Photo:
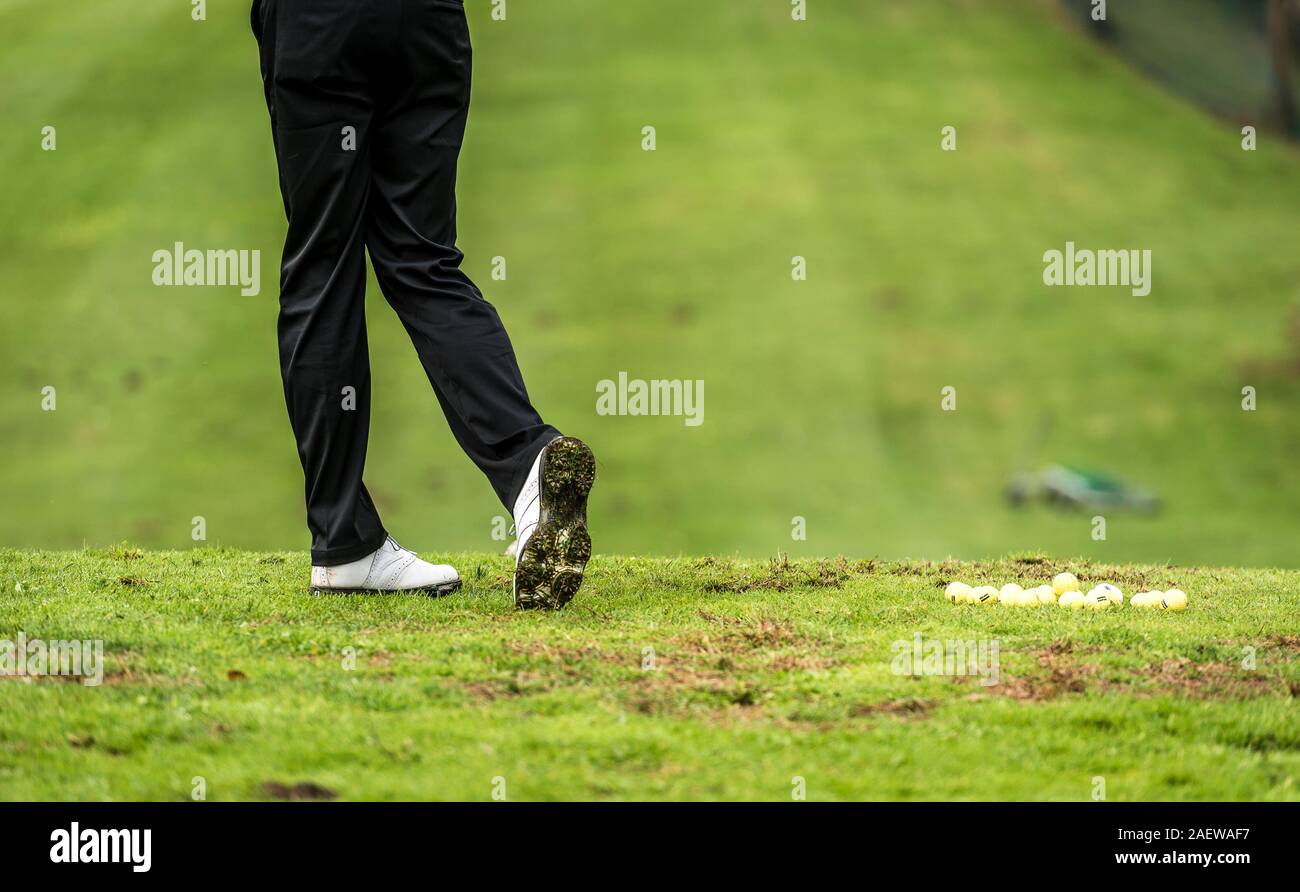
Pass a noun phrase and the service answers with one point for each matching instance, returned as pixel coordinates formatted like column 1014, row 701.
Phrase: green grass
column 775, row 138
column 220, row 666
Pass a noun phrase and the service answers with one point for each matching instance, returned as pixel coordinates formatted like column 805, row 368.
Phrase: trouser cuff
column 528, row 456
column 332, row 557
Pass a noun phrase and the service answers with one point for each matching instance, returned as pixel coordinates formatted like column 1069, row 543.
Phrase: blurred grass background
column 775, row 138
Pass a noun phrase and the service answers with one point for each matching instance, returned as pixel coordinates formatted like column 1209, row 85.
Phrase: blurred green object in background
column 1238, row 58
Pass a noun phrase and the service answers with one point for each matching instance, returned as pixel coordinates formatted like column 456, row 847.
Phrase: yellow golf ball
column 956, row 592
column 1071, row 600
column 1010, row 594
column 983, row 594
column 1174, row 599
column 1096, row 600
column 1045, row 594
column 1064, row 582
column 1112, row 593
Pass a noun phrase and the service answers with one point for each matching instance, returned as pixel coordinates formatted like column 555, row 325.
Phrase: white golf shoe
column 390, row 569
column 552, row 545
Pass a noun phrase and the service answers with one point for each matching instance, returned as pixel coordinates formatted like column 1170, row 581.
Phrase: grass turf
column 774, row 139
column 693, row 678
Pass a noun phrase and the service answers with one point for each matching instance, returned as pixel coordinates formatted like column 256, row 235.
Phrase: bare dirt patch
column 521, row 684
column 908, row 707
column 693, row 672
column 685, row 690
column 88, row 742
column 1064, row 673
column 305, row 791
column 780, row 575
column 745, row 633
column 754, row 644
column 1212, row 680
column 569, row 655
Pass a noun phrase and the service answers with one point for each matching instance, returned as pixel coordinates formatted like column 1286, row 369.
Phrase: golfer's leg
column 325, row 366
column 412, row 239
column 325, row 179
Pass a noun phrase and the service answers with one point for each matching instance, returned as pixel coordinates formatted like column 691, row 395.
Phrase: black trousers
column 368, row 102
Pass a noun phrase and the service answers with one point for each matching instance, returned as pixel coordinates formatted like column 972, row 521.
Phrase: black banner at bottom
column 333, row 841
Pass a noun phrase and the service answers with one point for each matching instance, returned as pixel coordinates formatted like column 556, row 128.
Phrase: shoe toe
column 422, row 574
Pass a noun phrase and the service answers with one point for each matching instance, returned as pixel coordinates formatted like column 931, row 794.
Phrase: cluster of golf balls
column 1063, row 592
